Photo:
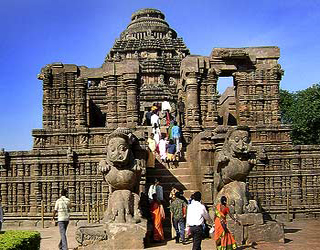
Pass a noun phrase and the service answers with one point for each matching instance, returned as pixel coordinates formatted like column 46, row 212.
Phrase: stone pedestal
column 271, row 231
column 112, row 236
column 254, row 229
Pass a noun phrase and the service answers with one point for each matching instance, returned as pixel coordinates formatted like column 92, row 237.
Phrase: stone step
column 171, row 178
column 167, row 186
column 164, row 171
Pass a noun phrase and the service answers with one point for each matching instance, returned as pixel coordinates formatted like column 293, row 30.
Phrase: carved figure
column 172, row 82
column 233, row 163
column 117, row 56
column 39, row 141
column 169, row 34
column 124, row 208
column 161, row 80
column 83, row 140
column 122, row 172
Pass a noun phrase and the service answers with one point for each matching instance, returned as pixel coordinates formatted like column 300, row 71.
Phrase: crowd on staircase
column 164, row 143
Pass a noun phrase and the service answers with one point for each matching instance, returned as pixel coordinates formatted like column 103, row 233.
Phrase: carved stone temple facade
column 148, row 64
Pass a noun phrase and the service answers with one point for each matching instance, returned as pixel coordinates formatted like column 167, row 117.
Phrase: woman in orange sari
column 222, row 236
column 157, row 213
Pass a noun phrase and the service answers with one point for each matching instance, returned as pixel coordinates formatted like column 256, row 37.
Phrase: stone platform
column 111, row 236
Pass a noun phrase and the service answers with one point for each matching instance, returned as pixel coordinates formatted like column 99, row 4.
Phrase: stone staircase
column 178, row 175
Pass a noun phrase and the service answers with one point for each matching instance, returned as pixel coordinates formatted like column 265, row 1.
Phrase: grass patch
column 20, row 240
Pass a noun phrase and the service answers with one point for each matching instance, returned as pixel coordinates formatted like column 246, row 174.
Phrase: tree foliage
column 301, row 109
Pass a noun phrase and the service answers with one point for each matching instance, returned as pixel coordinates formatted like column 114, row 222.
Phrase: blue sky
column 37, row 32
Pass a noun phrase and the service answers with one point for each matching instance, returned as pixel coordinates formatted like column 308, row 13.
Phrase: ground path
column 302, row 234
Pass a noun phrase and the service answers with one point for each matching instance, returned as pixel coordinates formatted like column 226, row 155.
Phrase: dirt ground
column 302, row 234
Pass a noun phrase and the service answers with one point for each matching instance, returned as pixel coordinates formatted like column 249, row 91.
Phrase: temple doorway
column 227, row 101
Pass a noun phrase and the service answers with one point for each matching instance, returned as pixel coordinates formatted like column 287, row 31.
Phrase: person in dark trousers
column 181, row 108
column 148, row 117
column 196, row 216
column 62, row 208
column 178, row 209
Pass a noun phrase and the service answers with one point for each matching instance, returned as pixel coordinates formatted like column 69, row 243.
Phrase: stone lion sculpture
column 231, row 167
column 122, row 172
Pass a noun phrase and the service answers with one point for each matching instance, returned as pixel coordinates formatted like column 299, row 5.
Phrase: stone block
column 112, row 236
column 271, row 231
column 90, row 234
column 237, row 231
column 250, row 219
column 126, row 236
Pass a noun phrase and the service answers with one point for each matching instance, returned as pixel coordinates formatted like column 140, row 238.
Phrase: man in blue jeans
column 178, row 213
column 62, row 207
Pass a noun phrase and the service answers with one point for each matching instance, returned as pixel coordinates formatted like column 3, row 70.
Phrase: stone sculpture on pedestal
column 122, row 172
column 232, row 165
column 123, row 225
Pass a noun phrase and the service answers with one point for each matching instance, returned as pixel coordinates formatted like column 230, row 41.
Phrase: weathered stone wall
column 291, row 178
column 29, row 177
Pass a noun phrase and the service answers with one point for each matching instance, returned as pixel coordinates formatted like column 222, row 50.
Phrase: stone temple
column 150, row 63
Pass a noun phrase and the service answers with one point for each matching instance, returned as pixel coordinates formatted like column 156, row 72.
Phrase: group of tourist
column 167, row 145
column 188, row 218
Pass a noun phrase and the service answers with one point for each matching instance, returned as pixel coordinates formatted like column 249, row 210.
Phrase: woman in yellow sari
column 222, row 236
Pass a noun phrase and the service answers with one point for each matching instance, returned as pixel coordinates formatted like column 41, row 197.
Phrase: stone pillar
column 47, row 98
column 87, row 186
column 111, row 114
column 132, row 102
column 192, row 103
column 80, row 102
column 3, row 176
column 20, row 187
column 211, row 99
column 35, row 188
column 296, row 187
column 72, row 177
column 63, row 97
column 122, row 103
column 55, row 184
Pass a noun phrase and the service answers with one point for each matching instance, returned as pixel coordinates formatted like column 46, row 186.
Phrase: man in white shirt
column 155, row 121
column 156, row 189
column 62, row 207
column 196, row 214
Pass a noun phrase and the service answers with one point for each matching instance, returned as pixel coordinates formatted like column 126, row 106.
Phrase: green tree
column 301, row 109
column 286, row 102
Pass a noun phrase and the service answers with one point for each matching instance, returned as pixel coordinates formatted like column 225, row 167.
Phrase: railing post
column 288, row 208
column 88, row 212
column 98, row 211
column 42, row 213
